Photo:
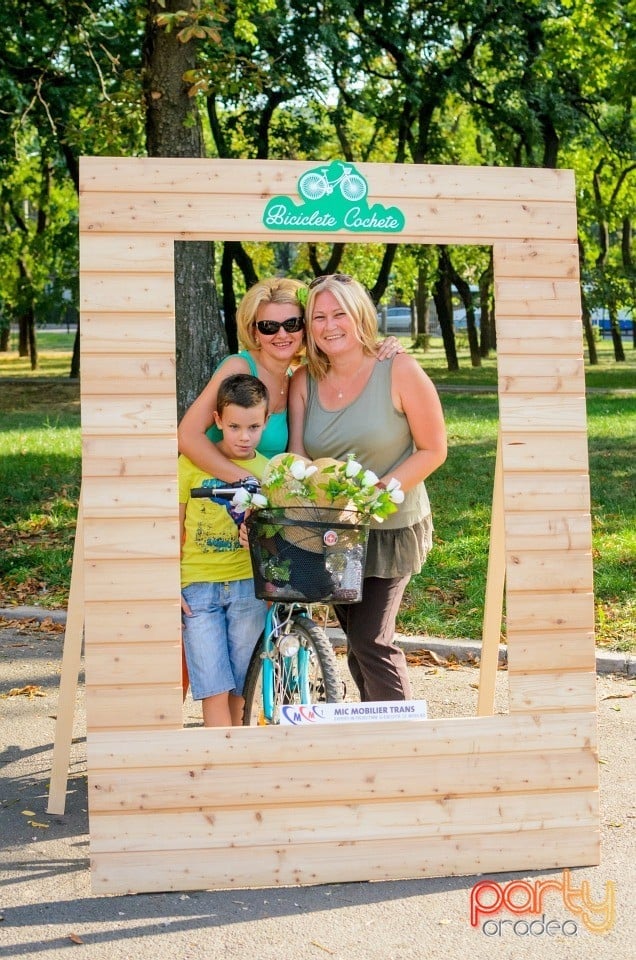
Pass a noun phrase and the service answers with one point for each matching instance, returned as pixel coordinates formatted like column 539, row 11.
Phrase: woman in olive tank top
column 343, row 401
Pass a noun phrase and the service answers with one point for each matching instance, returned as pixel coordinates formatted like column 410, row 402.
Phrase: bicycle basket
column 311, row 554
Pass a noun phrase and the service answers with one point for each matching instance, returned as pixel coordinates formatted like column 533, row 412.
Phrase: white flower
column 241, row 498
column 353, row 468
column 369, row 479
column 298, row 470
column 396, row 495
column 309, row 472
column 393, row 484
column 258, row 500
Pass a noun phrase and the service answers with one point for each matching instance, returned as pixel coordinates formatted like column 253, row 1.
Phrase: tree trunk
column 588, row 329
column 33, row 346
column 464, row 292
column 422, row 310
column 487, row 332
column 444, row 304
column 23, row 335
column 173, row 129
column 75, row 359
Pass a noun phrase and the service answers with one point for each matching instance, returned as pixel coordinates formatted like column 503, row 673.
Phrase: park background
column 529, row 84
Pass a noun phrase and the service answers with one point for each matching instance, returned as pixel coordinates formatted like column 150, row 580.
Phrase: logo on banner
column 333, row 197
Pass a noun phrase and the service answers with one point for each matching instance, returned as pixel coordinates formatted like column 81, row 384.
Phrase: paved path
column 47, row 907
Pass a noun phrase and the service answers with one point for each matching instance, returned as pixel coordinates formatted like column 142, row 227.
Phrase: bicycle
column 315, row 184
column 293, row 662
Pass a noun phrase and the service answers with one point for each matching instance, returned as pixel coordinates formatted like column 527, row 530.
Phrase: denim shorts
column 221, row 634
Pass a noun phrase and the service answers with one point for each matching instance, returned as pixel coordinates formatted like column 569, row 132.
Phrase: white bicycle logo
column 316, row 184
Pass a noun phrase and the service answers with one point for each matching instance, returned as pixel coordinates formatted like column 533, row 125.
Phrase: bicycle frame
column 278, row 622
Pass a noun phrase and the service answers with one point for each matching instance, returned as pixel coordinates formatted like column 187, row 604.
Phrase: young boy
column 222, row 619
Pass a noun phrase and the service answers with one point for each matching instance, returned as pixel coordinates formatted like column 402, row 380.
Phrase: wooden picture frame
column 175, row 809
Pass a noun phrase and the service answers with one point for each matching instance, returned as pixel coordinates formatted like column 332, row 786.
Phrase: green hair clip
column 301, row 296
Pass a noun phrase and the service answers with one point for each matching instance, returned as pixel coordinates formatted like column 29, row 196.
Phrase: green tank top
column 374, row 431
column 275, row 435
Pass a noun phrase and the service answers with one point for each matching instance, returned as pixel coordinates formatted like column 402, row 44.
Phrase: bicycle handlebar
column 249, row 484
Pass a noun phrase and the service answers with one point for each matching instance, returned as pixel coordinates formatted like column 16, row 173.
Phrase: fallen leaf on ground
column 30, row 690
column 618, row 696
column 42, row 826
column 28, row 813
column 75, row 937
column 418, row 658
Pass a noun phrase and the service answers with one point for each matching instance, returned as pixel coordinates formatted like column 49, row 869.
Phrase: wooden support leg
column 70, row 672
column 493, row 605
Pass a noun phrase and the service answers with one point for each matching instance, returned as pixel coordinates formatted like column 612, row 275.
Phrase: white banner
column 295, row 715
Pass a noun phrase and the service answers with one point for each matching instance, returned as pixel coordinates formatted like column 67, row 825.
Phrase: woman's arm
column 199, row 417
column 414, row 394
column 296, row 405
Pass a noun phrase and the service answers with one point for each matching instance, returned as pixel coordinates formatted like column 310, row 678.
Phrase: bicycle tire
column 324, row 683
column 313, row 186
column 353, row 188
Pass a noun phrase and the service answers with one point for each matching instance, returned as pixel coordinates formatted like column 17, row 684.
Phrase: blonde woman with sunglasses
column 271, row 327
column 389, row 416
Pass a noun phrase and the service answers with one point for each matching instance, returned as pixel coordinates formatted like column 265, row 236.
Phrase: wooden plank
column 206, row 216
column 321, row 863
column 523, row 296
column 548, row 530
column 128, row 374
column 71, row 658
column 566, row 373
column 132, row 497
column 102, row 416
column 541, row 414
column 561, row 569
column 132, row 579
column 532, row 451
column 126, row 456
column 523, row 258
column 274, row 177
column 556, row 649
column 547, row 491
column 225, row 829
column 303, row 781
column 143, row 621
column 539, row 327
column 493, row 602
column 141, row 538
column 127, row 333
column 143, row 253
column 543, row 609
column 326, row 744
column 528, row 345
column 558, row 690
column 128, row 293
column 123, row 664
column 157, row 707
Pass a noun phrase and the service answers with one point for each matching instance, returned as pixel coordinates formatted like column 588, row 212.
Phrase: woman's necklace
column 284, row 382
column 350, row 380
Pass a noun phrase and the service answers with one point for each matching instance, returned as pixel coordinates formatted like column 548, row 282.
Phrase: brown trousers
column 377, row 666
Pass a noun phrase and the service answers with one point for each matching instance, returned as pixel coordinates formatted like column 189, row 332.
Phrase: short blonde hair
column 356, row 301
column 271, row 290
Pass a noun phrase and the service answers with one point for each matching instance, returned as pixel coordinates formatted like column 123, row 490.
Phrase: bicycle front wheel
column 310, row 676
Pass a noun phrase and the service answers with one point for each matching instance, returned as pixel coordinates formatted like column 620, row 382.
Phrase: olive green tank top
column 374, row 431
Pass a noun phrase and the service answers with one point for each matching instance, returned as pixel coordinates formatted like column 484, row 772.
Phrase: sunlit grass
column 40, row 468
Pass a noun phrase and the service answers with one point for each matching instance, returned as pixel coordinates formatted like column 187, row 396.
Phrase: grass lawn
column 40, row 469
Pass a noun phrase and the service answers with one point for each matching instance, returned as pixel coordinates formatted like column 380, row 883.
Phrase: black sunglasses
column 341, row 277
column 270, row 327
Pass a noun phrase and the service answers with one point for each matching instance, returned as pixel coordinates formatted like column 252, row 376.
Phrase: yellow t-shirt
column 211, row 552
